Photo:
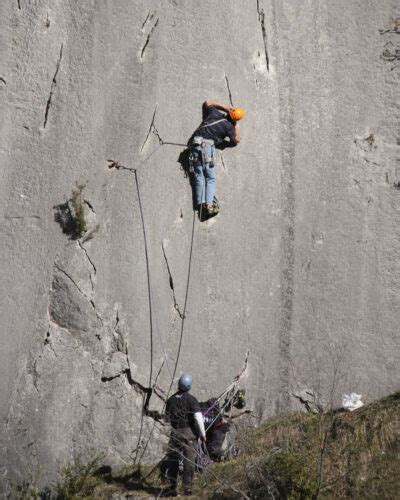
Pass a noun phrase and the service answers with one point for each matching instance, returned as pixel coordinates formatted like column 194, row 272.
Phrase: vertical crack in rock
column 171, row 284
column 222, row 161
column 91, row 263
column 88, row 258
column 148, row 39
column 261, row 18
column 88, row 204
column 229, row 90
column 19, row 4
column 35, row 376
column 3, row 80
column 149, row 131
column 116, row 320
column 52, row 88
column 70, row 278
column 52, row 348
column 145, row 21
column 129, row 370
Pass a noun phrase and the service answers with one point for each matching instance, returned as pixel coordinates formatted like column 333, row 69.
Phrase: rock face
column 300, row 267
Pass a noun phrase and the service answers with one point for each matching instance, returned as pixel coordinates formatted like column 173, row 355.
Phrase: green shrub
column 78, row 479
column 78, row 207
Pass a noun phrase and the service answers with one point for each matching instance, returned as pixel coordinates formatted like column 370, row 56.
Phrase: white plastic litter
column 352, row 401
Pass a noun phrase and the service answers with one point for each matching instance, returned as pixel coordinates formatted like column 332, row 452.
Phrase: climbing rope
column 184, row 306
column 183, row 317
column 228, row 394
column 147, row 395
column 148, row 278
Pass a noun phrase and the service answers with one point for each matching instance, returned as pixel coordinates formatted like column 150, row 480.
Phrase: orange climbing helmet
column 236, row 114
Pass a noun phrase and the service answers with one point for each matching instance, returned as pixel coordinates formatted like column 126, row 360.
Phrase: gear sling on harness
column 207, row 151
column 207, row 147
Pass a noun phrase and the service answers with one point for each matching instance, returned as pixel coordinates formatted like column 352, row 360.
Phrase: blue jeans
column 204, row 174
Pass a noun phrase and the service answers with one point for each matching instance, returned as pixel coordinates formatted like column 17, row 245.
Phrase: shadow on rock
column 131, row 481
column 64, row 217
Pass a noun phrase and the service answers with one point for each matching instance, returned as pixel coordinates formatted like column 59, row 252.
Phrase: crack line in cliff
column 145, row 21
column 3, row 80
column 52, row 348
column 22, row 217
column 222, row 161
column 148, row 39
column 261, row 18
column 94, row 267
column 91, row 302
column 71, row 279
column 229, row 90
column 117, row 322
column 87, row 255
column 87, row 203
column 150, row 129
column 53, row 87
column 19, row 4
column 171, row 284
column 287, row 264
column 35, row 376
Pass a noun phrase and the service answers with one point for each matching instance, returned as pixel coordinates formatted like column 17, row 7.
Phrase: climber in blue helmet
column 218, row 129
column 184, row 414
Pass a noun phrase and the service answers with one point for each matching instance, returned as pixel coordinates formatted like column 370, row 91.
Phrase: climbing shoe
column 187, row 493
column 213, row 208
column 210, row 208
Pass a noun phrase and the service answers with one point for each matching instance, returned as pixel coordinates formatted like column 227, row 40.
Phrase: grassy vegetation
column 79, row 210
column 300, row 456
column 337, row 455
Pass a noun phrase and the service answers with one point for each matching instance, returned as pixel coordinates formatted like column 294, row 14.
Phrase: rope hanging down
column 156, row 415
column 147, row 393
column 151, row 388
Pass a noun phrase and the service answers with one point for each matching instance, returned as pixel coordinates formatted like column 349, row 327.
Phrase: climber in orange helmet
column 218, row 129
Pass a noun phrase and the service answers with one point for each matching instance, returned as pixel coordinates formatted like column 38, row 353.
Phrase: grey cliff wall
column 301, row 266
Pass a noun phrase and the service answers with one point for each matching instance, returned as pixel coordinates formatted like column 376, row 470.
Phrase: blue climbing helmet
column 185, row 382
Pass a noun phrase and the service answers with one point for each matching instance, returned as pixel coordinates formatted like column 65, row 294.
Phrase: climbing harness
column 207, row 151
